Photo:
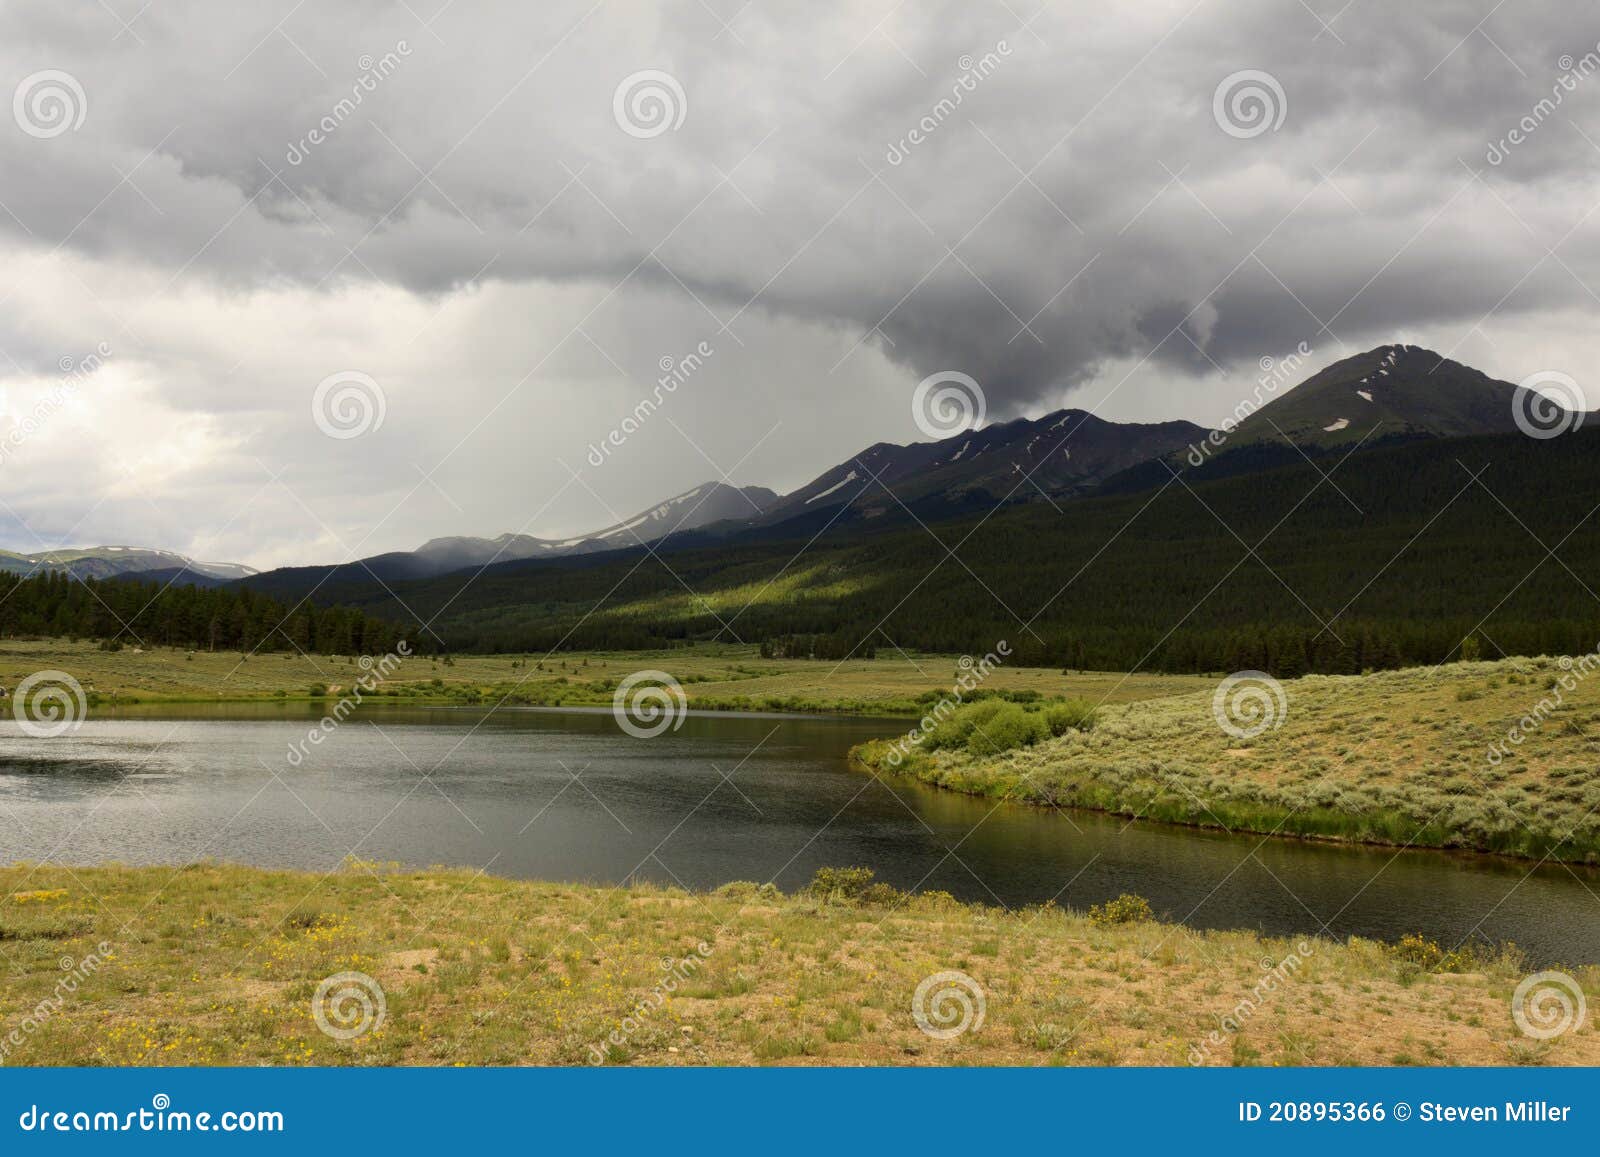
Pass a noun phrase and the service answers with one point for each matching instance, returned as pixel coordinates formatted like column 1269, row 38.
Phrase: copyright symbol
column 1402, row 1111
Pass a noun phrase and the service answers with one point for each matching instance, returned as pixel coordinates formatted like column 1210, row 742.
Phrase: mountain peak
column 1390, row 391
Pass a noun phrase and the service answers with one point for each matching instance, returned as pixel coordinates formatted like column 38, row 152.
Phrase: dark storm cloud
column 1078, row 208
column 488, row 144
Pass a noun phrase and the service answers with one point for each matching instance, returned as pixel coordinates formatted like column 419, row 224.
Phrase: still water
column 567, row 795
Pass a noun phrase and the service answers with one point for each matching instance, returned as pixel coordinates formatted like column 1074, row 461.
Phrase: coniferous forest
column 132, row 613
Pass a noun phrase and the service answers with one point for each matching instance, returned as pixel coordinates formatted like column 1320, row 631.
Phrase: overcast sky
column 499, row 244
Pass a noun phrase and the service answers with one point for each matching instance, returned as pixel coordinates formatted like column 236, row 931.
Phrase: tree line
column 128, row 612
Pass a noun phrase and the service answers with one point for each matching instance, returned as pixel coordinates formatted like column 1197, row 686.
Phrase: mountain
column 112, row 561
column 1394, row 391
column 707, row 503
column 1059, row 455
column 1390, row 395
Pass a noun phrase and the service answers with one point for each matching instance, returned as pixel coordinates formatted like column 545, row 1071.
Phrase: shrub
column 1071, row 715
column 853, row 886
column 1127, row 908
column 841, row 883
column 955, row 729
column 882, row 895
column 1426, row 955
column 1006, row 729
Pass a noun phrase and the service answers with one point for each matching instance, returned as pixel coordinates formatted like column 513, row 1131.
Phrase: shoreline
column 1462, row 851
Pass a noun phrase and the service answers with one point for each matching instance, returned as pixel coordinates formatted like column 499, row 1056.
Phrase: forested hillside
column 1407, row 555
column 1397, row 560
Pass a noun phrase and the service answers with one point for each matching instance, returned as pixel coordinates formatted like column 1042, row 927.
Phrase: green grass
column 713, row 676
column 1398, row 757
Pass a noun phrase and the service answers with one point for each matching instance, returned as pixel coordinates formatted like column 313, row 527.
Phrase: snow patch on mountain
column 845, row 481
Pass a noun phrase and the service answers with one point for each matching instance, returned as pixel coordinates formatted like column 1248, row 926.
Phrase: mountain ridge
column 1379, row 397
column 113, row 561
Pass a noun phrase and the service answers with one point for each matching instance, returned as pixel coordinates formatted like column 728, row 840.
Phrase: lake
column 567, row 795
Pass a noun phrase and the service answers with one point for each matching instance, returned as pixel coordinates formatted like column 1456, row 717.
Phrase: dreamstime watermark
column 1248, row 103
column 74, row 371
column 1547, row 404
column 948, row 1004
column 1572, row 73
column 674, row 373
column 49, row 103
column 1248, row 703
column 49, row 703
column 946, row 403
column 973, row 72
column 347, row 1005
column 75, row 973
column 1573, row 672
column 1275, row 374
column 647, row 703
column 973, row 673
column 677, row 973
column 156, row 1119
column 1274, row 975
column 348, row 404
column 375, row 671
column 1548, row 1004
column 648, row 103
column 373, row 72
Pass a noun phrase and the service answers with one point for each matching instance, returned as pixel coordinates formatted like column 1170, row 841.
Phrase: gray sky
column 483, row 242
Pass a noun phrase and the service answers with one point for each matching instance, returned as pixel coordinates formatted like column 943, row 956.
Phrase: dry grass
column 1394, row 757
column 219, row 965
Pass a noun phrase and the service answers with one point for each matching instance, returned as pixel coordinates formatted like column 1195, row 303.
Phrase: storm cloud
column 512, row 217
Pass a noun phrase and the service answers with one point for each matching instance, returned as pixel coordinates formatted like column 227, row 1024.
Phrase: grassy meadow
column 1417, row 757
column 213, row 965
column 713, row 676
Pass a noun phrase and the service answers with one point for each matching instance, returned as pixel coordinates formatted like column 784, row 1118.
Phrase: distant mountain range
column 710, row 502
column 112, row 561
column 1385, row 395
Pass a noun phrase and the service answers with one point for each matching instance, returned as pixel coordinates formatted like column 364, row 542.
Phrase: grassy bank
column 712, row 676
column 222, row 965
column 1418, row 757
